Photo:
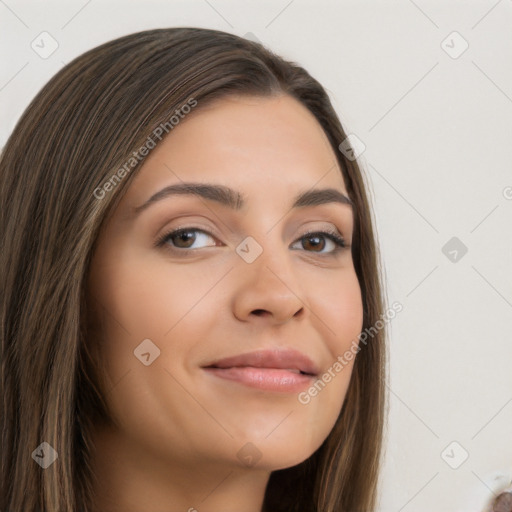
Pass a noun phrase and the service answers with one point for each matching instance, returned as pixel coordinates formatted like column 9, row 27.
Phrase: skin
column 178, row 429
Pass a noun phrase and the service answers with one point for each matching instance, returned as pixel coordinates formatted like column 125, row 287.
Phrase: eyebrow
column 236, row 201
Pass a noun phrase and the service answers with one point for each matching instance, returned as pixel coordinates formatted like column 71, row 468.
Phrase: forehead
column 254, row 144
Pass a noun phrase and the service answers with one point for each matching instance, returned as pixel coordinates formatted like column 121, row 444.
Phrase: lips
column 270, row 370
column 291, row 360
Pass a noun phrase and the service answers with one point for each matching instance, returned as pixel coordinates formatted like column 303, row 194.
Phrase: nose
column 268, row 290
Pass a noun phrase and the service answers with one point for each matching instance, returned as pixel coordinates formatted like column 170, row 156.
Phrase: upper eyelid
column 332, row 212
column 341, row 223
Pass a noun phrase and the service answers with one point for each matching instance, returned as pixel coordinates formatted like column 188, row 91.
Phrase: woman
column 188, row 261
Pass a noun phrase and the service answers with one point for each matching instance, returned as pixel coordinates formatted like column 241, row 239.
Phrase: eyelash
column 332, row 235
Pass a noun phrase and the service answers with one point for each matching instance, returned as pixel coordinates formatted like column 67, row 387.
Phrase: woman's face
column 239, row 281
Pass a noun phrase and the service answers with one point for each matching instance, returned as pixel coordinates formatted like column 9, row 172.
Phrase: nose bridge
column 265, row 253
column 268, row 279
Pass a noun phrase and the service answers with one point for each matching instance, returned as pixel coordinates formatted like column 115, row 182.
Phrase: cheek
column 338, row 311
column 128, row 303
column 338, row 315
column 138, row 298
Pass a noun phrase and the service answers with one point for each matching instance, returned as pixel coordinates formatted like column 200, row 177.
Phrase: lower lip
column 268, row 379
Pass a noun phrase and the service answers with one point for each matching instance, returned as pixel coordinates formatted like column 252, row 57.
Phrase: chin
column 279, row 453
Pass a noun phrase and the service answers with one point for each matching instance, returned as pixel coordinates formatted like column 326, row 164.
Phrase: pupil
column 316, row 242
column 185, row 236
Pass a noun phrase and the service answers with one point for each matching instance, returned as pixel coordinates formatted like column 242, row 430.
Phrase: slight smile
column 270, row 370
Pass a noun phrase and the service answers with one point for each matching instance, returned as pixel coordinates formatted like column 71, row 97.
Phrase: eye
column 184, row 238
column 314, row 240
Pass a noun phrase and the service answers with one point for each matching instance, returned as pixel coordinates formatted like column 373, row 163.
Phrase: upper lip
column 288, row 359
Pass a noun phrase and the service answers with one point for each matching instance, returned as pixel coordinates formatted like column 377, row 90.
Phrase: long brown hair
column 77, row 132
